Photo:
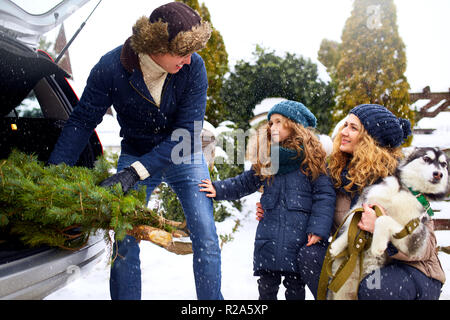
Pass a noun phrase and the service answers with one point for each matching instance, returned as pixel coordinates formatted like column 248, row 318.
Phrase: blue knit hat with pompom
column 296, row 111
column 382, row 125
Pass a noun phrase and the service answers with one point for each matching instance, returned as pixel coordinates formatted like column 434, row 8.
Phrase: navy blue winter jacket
column 294, row 206
column 146, row 129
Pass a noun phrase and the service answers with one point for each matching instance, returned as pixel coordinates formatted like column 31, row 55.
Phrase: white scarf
column 154, row 76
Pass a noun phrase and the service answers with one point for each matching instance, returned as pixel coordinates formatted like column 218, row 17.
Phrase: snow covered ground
column 167, row 276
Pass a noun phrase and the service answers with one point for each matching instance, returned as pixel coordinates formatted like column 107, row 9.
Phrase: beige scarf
column 154, row 76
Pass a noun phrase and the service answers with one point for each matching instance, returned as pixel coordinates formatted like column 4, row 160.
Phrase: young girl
column 298, row 198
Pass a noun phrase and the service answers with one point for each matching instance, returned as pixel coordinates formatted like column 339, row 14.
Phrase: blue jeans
column 125, row 279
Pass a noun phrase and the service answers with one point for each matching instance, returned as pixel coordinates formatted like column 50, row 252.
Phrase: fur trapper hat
column 173, row 28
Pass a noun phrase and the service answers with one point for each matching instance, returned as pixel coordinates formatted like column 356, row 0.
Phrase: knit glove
column 127, row 178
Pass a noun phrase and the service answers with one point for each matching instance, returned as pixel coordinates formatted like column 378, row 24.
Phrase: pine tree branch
column 62, row 205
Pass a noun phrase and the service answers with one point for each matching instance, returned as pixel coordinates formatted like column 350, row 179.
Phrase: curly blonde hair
column 368, row 163
column 301, row 139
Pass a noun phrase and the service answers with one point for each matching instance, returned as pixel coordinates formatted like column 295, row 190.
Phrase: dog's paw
column 335, row 249
column 378, row 248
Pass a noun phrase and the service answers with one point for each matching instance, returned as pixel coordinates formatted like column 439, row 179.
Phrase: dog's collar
column 421, row 198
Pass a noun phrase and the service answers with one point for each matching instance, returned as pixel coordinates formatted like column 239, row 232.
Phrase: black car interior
column 35, row 102
column 33, row 76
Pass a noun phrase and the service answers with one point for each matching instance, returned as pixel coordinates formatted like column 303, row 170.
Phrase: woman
column 367, row 149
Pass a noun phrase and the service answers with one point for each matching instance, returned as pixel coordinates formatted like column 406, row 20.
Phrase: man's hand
column 127, row 178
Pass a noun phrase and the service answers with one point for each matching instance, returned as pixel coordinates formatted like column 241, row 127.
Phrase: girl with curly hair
column 298, row 196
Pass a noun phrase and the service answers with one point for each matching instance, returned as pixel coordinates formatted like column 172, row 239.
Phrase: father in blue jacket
column 157, row 84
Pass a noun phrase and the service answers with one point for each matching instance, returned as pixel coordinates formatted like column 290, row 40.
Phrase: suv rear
column 35, row 101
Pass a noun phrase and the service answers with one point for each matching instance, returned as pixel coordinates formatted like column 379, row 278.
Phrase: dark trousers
column 396, row 281
column 399, row 281
column 269, row 284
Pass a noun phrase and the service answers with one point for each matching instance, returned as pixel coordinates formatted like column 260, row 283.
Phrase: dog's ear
column 448, row 166
column 447, row 158
column 407, row 151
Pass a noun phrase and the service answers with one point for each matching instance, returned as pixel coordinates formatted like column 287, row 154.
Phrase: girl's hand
column 368, row 217
column 259, row 211
column 313, row 239
column 208, row 187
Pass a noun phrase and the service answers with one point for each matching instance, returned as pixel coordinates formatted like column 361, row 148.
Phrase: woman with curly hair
column 367, row 149
column 358, row 160
column 298, row 196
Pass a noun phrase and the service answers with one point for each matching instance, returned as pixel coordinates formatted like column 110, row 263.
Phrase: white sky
column 296, row 26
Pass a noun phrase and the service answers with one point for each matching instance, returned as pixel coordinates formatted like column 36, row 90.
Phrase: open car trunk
column 35, row 102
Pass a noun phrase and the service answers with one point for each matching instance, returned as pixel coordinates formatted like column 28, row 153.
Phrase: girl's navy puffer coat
column 294, row 206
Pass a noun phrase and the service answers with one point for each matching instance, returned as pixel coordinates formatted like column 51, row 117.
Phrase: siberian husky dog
column 423, row 170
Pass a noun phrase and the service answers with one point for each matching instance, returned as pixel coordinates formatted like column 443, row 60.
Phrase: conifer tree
column 63, row 205
column 216, row 63
column 329, row 56
column 369, row 65
column 291, row 77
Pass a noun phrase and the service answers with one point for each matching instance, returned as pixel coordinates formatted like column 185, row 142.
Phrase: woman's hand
column 208, row 187
column 259, row 211
column 368, row 217
column 313, row 239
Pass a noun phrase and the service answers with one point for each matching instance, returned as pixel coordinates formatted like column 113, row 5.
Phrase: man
column 157, row 84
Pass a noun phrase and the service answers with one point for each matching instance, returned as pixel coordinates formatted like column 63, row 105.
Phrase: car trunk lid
column 28, row 20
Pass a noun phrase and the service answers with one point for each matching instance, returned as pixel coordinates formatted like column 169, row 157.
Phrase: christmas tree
column 216, row 63
column 369, row 65
column 62, row 205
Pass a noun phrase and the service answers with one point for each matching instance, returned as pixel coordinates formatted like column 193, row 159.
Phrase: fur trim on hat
column 153, row 38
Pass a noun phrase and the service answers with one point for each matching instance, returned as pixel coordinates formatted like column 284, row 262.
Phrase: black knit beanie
column 382, row 125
